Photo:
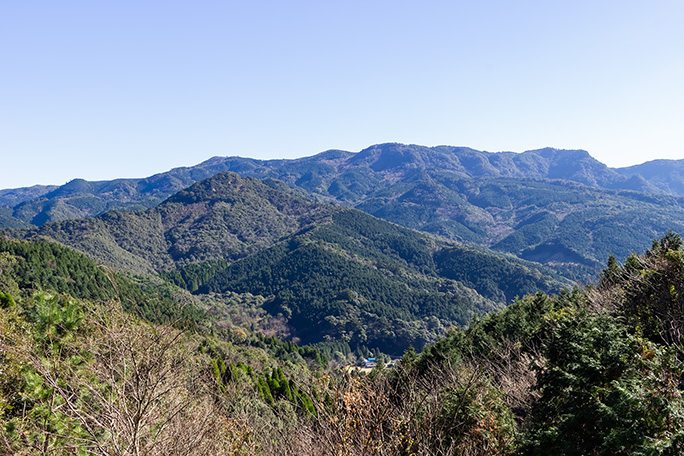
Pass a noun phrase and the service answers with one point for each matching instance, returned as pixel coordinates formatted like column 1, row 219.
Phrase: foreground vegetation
column 591, row 371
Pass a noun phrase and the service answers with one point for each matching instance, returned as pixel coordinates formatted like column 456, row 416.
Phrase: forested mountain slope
column 94, row 361
column 370, row 283
column 225, row 217
column 7, row 220
column 596, row 371
column 568, row 225
column 666, row 175
column 13, row 196
column 328, row 272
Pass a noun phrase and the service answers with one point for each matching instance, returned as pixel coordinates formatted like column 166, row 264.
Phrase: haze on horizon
column 130, row 89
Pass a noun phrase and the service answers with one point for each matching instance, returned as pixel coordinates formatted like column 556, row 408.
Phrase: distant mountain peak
column 224, row 186
column 333, row 154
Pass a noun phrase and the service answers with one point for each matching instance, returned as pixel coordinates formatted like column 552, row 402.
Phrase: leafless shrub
column 132, row 388
column 453, row 410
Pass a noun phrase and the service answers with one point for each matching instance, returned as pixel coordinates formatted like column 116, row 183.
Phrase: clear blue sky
column 128, row 88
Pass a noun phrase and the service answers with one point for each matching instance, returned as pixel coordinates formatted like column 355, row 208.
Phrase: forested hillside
column 30, row 267
column 225, row 217
column 369, row 283
column 7, row 220
column 94, row 362
column 595, row 371
column 666, row 175
column 13, row 196
column 326, row 273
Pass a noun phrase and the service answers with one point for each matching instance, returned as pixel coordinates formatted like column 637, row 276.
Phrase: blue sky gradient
column 100, row 90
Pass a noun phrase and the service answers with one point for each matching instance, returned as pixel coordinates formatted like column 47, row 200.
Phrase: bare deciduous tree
column 133, row 390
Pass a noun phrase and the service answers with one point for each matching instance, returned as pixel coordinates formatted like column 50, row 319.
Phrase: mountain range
column 561, row 208
column 330, row 173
